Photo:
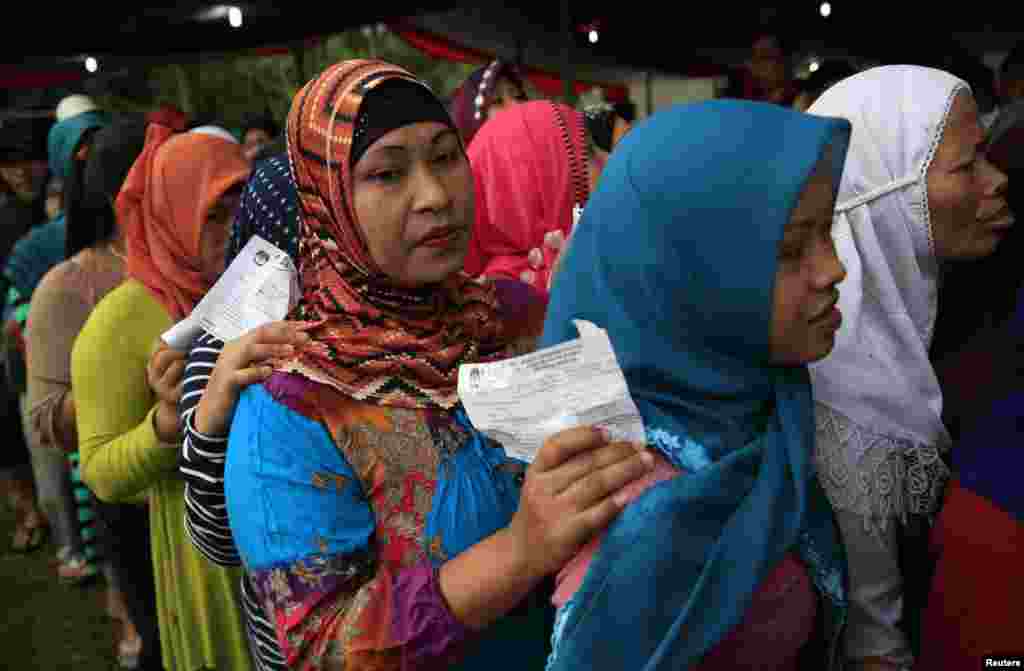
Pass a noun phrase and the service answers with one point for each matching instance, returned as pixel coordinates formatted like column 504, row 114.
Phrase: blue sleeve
column 291, row 494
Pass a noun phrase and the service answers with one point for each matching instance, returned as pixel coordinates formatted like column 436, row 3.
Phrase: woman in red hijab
column 534, row 167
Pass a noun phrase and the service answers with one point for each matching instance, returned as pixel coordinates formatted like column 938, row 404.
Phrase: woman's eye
column 790, row 252
column 793, row 249
column 386, row 175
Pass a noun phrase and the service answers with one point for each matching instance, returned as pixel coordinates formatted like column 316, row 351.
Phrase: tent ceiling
column 669, row 37
column 167, row 29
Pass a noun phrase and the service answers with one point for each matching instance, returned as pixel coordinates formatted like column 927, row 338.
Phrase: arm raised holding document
column 243, row 362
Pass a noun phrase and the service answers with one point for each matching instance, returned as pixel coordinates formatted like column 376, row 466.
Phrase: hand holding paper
column 519, row 402
column 244, row 361
column 260, row 286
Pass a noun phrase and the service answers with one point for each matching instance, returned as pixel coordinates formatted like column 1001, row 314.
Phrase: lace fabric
column 877, row 476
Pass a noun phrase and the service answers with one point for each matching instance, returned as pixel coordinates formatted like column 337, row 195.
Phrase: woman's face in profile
column 213, row 240
column 966, row 194
column 805, row 318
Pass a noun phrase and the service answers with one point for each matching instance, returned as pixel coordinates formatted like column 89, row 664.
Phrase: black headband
column 393, row 104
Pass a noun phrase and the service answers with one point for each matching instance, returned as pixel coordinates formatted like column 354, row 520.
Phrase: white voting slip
column 260, row 286
column 522, row 401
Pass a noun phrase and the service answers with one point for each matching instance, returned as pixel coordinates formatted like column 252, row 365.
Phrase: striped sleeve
column 202, row 462
column 266, row 651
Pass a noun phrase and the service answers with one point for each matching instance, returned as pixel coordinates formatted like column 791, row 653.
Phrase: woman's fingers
column 278, row 333
column 594, row 520
column 171, row 382
column 606, row 482
column 257, row 352
column 564, row 445
column 161, row 360
column 255, row 375
column 584, row 463
column 270, row 341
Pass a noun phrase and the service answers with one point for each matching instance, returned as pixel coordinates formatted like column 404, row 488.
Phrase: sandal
column 61, row 557
column 128, row 653
column 77, row 571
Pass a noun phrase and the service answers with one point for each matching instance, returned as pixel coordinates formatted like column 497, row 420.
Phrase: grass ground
column 44, row 625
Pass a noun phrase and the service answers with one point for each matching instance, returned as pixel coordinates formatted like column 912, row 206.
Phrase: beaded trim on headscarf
column 371, row 340
column 482, row 89
column 577, row 163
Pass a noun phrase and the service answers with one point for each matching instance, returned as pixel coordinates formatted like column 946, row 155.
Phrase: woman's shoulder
column 288, row 411
column 287, row 393
column 131, row 312
column 64, row 278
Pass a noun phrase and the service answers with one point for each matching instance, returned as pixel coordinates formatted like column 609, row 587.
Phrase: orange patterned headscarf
column 371, row 339
column 163, row 205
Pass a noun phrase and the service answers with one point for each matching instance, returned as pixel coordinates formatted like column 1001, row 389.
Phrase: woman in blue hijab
column 44, row 246
column 706, row 254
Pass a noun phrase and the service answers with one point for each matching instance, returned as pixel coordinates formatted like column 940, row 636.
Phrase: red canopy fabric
column 549, row 84
column 18, row 78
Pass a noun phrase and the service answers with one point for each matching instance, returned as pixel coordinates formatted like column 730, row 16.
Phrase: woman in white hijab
column 916, row 193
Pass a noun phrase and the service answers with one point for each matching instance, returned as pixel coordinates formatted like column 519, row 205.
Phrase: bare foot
column 32, row 533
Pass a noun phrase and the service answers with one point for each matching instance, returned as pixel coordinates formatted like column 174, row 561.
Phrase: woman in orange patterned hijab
column 390, row 314
column 382, row 530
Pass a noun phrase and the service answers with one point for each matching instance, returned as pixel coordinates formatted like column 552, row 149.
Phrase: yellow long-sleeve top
column 123, row 460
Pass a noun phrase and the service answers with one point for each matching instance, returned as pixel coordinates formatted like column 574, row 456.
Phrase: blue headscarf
column 65, row 137
column 269, row 208
column 32, row 257
column 676, row 257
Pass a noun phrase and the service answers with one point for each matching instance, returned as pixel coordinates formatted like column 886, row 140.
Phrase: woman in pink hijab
column 534, row 167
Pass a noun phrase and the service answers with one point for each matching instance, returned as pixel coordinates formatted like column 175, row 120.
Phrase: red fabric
column 169, row 116
column 548, row 84
column 163, row 205
column 13, row 331
column 371, row 340
column 529, row 174
column 570, row 577
column 554, row 86
column 975, row 605
column 20, row 78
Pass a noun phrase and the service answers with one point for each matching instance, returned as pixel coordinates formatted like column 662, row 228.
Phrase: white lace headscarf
column 879, row 374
